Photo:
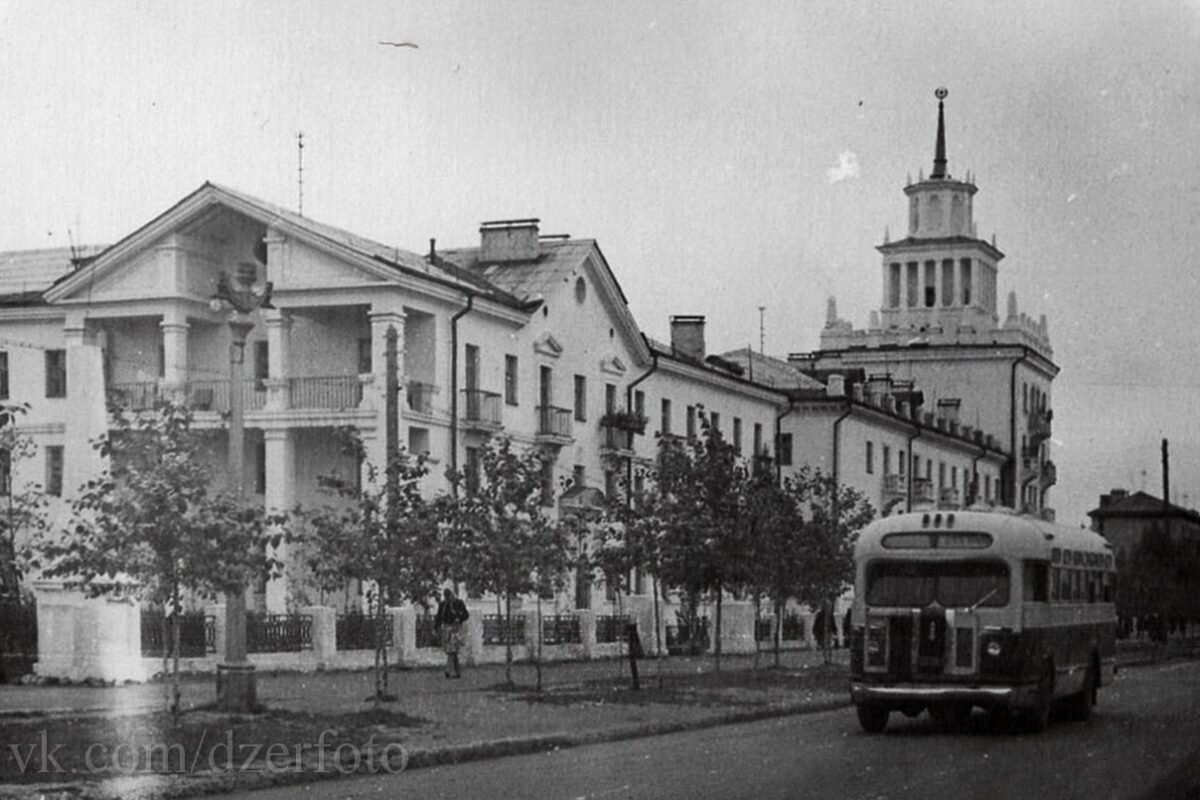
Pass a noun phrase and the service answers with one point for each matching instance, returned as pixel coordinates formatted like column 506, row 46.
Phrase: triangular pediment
column 613, row 365
column 182, row 252
column 547, row 345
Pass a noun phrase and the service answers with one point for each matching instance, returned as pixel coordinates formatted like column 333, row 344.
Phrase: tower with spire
column 938, row 327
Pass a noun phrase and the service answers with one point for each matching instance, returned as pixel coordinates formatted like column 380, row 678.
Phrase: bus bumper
column 912, row 695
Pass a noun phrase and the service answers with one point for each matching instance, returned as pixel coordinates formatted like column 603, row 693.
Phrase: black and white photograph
column 581, row 400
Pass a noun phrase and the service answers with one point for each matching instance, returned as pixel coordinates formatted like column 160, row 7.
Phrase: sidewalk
column 471, row 718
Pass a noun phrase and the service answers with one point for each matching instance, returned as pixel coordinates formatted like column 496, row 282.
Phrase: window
column 54, row 470
column 785, row 449
column 578, row 476
column 903, row 462
column 639, row 403
column 1024, row 396
column 953, row 584
column 948, row 282
column 941, row 474
column 965, row 281
column 5, row 472
column 580, row 398
column 56, row 373
column 610, row 484
column 912, row 284
column 930, row 284
column 510, row 380
column 364, row 355
column 887, row 460
column 471, row 367
column 665, row 423
column 691, row 422
column 715, row 419
column 3, row 375
column 758, row 446
column 610, row 398
column 737, row 435
column 262, row 364
column 987, row 488
column 1036, row 580
column 894, row 285
column 547, row 482
column 954, row 477
column 870, row 458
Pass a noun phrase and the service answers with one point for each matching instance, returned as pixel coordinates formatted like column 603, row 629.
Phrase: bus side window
column 1036, row 579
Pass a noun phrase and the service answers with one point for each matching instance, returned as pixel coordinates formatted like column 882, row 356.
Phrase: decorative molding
column 613, row 365
column 547, row 345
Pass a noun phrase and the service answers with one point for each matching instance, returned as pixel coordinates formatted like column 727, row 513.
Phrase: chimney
column 948, row 408
column 836, row 386
column 508, row 240
column 687, row 336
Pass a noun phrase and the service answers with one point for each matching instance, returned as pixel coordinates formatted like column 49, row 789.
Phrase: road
column 1147, row 724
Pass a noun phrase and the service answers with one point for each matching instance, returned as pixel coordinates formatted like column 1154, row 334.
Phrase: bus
column 955, row 610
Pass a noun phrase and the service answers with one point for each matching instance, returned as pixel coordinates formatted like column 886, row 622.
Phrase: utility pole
column 762, row 336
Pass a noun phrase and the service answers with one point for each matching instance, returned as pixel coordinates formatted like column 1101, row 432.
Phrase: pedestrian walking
column 451, row 614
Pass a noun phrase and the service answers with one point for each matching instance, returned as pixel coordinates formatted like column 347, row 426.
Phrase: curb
column 439, row 756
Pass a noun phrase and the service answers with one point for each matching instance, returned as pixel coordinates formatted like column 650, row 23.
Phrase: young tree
column 382, row 533
column 23, row 517
column 832, row 516
column 152, row 525
column 499, row 539
column 774, row 549
column 703, row 543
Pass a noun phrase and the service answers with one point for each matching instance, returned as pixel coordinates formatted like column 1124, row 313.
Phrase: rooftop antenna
column 300, row 168
column 761, row 331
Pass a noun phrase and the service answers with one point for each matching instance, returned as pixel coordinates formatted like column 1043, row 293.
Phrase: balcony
column 134, row 396
column 1049, row 475
column 341, row 392
column 893, row 487
column 615, row 442
column 948, row 498
column 554, row 426
column 1039, row 425
column 419, row 397
column 481, row 411
column 922, row 490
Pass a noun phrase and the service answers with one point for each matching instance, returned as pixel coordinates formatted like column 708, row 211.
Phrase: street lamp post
column 236, row 680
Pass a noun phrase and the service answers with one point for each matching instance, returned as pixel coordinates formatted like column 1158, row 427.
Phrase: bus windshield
column 952, row 584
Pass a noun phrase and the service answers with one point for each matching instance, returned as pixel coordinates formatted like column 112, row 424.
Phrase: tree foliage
column 152, row 526
column 499, row 539
column 23, row 510
column 379, row 531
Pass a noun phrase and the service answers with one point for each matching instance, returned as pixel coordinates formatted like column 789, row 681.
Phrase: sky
column 726, row 156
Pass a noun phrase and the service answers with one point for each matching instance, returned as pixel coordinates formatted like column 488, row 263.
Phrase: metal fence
column 685, row 639
column 197, row 633
column 610, row 628
column 356, row 631
column 792, row 629
column 561, row 629
column 278, row 633
column 498, row 630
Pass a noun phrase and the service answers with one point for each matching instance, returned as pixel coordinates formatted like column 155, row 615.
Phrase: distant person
column 451, row 614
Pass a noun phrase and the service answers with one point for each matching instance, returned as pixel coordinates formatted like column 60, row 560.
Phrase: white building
column 938, row 328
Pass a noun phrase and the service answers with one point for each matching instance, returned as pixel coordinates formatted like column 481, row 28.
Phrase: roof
column 1139, row 504
column 913, row 242
column 25, row 274
column 527, row 281
column 770, row 371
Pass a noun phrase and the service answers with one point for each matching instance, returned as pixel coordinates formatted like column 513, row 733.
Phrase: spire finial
column 939, row 154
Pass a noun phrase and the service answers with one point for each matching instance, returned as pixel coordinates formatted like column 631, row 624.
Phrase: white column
column 280, row 495
column 174, row 328
column 279, row 334
column 383, row 319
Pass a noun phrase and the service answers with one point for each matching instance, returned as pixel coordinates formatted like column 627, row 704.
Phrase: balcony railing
column 554, row 422
column 481, row 409
column 134, row 396
column 214, row 395
column 419, row 396
column 616, row 439
column 922, row 490
column 1039, row 424
column 1049, row 475
column 893, row 487
column 948, row 498
column 326, row 391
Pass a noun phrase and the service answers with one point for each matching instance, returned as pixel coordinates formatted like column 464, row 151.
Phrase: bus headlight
column 993, row 648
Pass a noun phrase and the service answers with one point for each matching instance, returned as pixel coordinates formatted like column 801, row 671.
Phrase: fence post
column 324, row 633
column 472, row 650
column 533, row 634
column 404, row 633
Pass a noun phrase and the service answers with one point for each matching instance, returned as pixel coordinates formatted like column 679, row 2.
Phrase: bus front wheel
column 1081, row 703
column 873, row 719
